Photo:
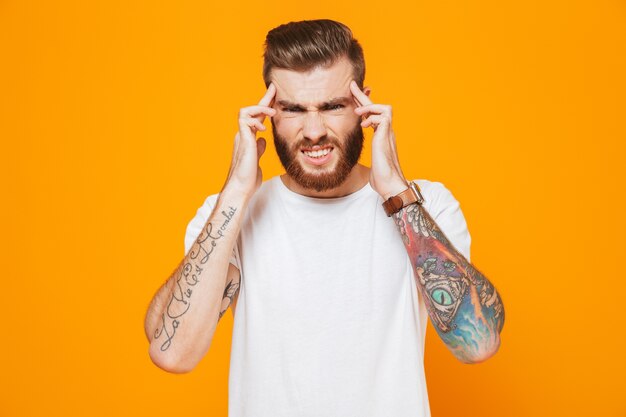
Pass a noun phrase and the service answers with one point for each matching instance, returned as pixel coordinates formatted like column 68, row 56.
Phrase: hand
column 245, row 173
column 386, row 176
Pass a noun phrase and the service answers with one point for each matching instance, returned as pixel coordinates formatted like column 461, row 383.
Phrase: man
column 329, row 286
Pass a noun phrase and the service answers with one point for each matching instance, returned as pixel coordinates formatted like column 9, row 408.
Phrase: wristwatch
column 398, row 202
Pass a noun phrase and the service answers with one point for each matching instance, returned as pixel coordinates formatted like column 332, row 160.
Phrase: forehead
column 314, row 86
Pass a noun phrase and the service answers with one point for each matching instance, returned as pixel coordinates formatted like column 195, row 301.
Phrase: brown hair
column 304, row 45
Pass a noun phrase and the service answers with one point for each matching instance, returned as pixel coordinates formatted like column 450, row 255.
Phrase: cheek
column 286, row 127
column 287, row 122
column 341, row 125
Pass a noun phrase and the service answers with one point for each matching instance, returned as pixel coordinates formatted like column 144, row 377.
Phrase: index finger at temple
column 269, row 95
column 360, row 96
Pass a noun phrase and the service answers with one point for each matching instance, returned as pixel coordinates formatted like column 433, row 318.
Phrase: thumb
column 260, row 147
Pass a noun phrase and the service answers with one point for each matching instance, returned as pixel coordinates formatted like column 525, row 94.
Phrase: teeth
column 317, row 153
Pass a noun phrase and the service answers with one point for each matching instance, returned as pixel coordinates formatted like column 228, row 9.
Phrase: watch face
column 416, row 196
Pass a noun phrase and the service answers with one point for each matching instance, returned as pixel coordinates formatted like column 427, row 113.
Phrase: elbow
column 480, row 354
column 169, row 362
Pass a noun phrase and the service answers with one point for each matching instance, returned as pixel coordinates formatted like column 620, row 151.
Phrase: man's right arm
column 184, row 313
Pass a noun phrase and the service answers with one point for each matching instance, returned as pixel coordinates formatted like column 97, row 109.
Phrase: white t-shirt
column 328, row 320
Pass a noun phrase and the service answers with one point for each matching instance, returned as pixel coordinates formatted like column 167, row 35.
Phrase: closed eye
column 292, row 109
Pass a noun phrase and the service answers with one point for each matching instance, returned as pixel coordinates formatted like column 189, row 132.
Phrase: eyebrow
column 323, row 105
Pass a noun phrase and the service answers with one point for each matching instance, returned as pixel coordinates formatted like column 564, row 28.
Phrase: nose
column 314, row 128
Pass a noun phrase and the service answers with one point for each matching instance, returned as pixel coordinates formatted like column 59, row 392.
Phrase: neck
column 357, row 179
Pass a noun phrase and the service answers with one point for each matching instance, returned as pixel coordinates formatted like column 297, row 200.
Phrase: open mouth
column 318, row 155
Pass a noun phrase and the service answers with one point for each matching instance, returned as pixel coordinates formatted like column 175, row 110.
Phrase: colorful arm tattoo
column 463, row 305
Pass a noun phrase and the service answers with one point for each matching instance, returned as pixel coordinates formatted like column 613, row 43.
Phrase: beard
column 348, row 153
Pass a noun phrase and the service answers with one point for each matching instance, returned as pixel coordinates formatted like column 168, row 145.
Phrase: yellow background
column 117, row 119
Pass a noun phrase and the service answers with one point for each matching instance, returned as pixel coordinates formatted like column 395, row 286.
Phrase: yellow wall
column 117, row 120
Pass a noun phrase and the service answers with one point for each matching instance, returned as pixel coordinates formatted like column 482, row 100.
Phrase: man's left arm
column 463, row 305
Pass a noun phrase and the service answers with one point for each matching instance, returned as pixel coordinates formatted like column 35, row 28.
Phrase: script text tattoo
column 187, row 276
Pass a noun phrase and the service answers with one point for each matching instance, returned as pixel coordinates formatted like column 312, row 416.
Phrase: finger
column 374, row 108
column 258, row 112
column 361, row 98
column 269, row 95
column 252, row 122
column 255, row 111
column 375, row 120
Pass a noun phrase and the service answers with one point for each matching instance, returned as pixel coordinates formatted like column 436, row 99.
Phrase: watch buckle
column 416, row 190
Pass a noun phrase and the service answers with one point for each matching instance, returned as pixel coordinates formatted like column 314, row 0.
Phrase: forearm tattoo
column 230, row 292
column 463, row 305
column 187, row 276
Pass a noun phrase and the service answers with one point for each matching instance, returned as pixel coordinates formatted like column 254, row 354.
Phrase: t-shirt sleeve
column 197, row 223
column 446, row 212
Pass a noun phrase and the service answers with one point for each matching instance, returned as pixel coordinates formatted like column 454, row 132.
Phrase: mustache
column 305, row 143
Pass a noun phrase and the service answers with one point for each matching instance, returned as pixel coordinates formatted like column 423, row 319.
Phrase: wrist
column 235, row 193
column 394, row 188
column 410, row 195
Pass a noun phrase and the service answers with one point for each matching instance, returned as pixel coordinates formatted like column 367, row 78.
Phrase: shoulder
column 208, row 204
column 204, row 211
column 196, row 224
column 446, row 211
column 435, row 194
column 266, row 187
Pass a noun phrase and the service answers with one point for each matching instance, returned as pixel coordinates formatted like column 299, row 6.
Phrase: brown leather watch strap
column 398, row 202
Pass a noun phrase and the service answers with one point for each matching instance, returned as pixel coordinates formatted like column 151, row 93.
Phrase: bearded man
column 332, row 268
